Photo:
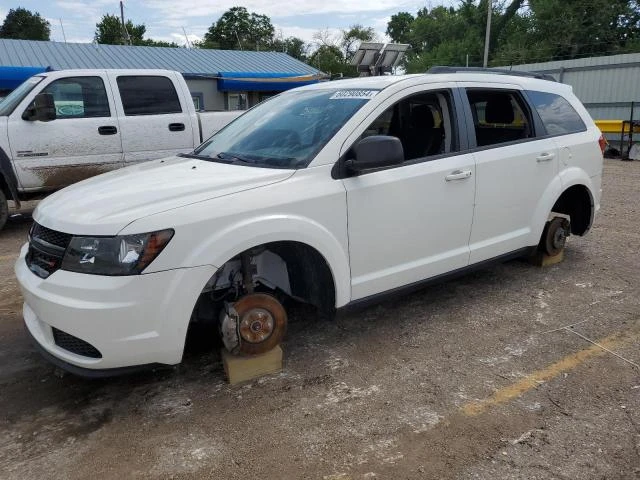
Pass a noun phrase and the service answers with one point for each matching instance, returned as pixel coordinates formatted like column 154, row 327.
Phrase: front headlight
column 122, row 255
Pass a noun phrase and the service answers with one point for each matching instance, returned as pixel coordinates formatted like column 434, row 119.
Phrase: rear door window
column 148, row 95
column 557, row 114
column 499, row 116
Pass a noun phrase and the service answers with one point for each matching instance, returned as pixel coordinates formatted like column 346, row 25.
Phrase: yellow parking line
column 7, row 258
column 534, row 379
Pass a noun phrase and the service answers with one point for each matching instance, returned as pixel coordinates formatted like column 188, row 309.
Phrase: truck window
column 79, row 97
column 148, row 95
column 557, row 114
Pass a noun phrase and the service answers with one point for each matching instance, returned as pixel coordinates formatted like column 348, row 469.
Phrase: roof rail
column 496, row 71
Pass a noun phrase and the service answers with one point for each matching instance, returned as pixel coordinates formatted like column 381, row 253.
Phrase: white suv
column 332, row 194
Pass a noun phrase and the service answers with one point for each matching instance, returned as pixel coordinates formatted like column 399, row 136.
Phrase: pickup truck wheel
column 253, row 325
column 554, row 237
column 4, row 210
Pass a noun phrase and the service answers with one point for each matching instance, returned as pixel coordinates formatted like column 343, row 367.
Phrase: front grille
column 74, row 345
column 46, row 250
column 45, row 234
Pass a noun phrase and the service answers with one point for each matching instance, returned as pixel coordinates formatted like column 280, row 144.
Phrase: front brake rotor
column 260, row 324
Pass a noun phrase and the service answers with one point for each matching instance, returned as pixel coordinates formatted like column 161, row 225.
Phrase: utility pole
column 62, row 28
column 125, row 34
column 186, row 37
column 487, row 37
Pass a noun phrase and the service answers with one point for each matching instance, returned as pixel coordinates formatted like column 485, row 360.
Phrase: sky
column 165, row 19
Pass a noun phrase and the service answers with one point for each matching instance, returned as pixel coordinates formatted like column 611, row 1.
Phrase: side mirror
column 42, row 108
column 375, row 152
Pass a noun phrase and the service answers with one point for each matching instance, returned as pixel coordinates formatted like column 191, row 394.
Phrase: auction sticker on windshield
column 351, row 94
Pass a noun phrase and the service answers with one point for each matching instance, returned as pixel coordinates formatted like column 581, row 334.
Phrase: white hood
column 105, row 204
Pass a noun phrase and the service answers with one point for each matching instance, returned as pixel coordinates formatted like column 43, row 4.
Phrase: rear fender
column 567, row 178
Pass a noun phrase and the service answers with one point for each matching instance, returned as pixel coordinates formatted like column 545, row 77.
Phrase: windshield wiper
column 235, row 158
column 193, row 155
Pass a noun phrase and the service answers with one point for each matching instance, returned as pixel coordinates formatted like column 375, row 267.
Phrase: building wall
column 605, row 85
column 208, row 87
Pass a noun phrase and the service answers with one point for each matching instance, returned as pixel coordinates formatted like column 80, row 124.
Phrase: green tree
column 521, row 32
column 237, row 29
column 399, row 27
column 333, row 55
column 293, row 46
column 147, row 42
column 352, row 37
column 586, row 27
column 21, row 24
column 109, row 31
column 330, row 59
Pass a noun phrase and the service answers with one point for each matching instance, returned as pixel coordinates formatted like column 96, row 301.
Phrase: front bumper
column 132, row 321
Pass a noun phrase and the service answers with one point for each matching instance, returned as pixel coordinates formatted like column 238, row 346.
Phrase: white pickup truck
column 58, row 128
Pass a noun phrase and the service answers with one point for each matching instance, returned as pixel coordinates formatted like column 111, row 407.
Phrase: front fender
column 228, row 242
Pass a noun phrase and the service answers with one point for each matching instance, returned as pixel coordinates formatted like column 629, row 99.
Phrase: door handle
column 107, row 130
column 176, row 127
column 458, row 175
column 545, row 157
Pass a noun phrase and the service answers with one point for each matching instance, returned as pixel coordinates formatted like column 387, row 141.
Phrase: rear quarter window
column 557, row 114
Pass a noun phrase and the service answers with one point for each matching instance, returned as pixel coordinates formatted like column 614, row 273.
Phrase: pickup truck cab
column 61, row 127
column 334, row 194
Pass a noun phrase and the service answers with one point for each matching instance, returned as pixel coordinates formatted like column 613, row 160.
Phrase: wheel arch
column 227, row 243
column 573, row 180
column 8, row 180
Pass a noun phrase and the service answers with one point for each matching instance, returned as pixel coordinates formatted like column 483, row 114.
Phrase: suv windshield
column 286, row 131
column 11, row 101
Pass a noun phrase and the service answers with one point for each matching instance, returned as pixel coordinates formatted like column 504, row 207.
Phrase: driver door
column 411, row 222
column 83, row 141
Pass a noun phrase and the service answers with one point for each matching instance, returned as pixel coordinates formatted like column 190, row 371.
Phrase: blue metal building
column 218, row 79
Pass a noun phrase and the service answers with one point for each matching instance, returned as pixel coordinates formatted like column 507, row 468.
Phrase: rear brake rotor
column 261, row 323
column 555, row 236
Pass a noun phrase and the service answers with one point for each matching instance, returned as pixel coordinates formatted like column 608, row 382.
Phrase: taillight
column 603, row 143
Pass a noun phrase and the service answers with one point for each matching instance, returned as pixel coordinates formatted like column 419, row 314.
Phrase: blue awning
column 11, row 77
column 263, row 82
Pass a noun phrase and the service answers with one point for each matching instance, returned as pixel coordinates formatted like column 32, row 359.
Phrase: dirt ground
column 471, row 379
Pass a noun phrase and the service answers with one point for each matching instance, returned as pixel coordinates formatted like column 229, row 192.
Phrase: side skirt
column 412, row 287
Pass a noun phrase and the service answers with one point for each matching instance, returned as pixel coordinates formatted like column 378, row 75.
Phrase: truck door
column 155, row 120
column 83, row 141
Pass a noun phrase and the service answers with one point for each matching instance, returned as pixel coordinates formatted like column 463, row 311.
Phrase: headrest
column 499, row 110
column 421, row 117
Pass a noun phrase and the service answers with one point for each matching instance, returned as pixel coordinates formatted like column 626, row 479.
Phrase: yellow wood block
column 240, row 369
column 540, row 259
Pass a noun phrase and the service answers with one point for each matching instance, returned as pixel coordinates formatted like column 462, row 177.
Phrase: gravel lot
column 469, row 380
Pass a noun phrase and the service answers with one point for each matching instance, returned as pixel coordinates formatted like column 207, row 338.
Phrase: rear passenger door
column 515, row 164
column 154, row 120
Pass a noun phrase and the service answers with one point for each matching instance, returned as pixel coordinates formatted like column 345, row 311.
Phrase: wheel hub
column 559, row 237
column 256, row 325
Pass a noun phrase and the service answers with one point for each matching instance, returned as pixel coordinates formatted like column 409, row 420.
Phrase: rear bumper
column 133, row 321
